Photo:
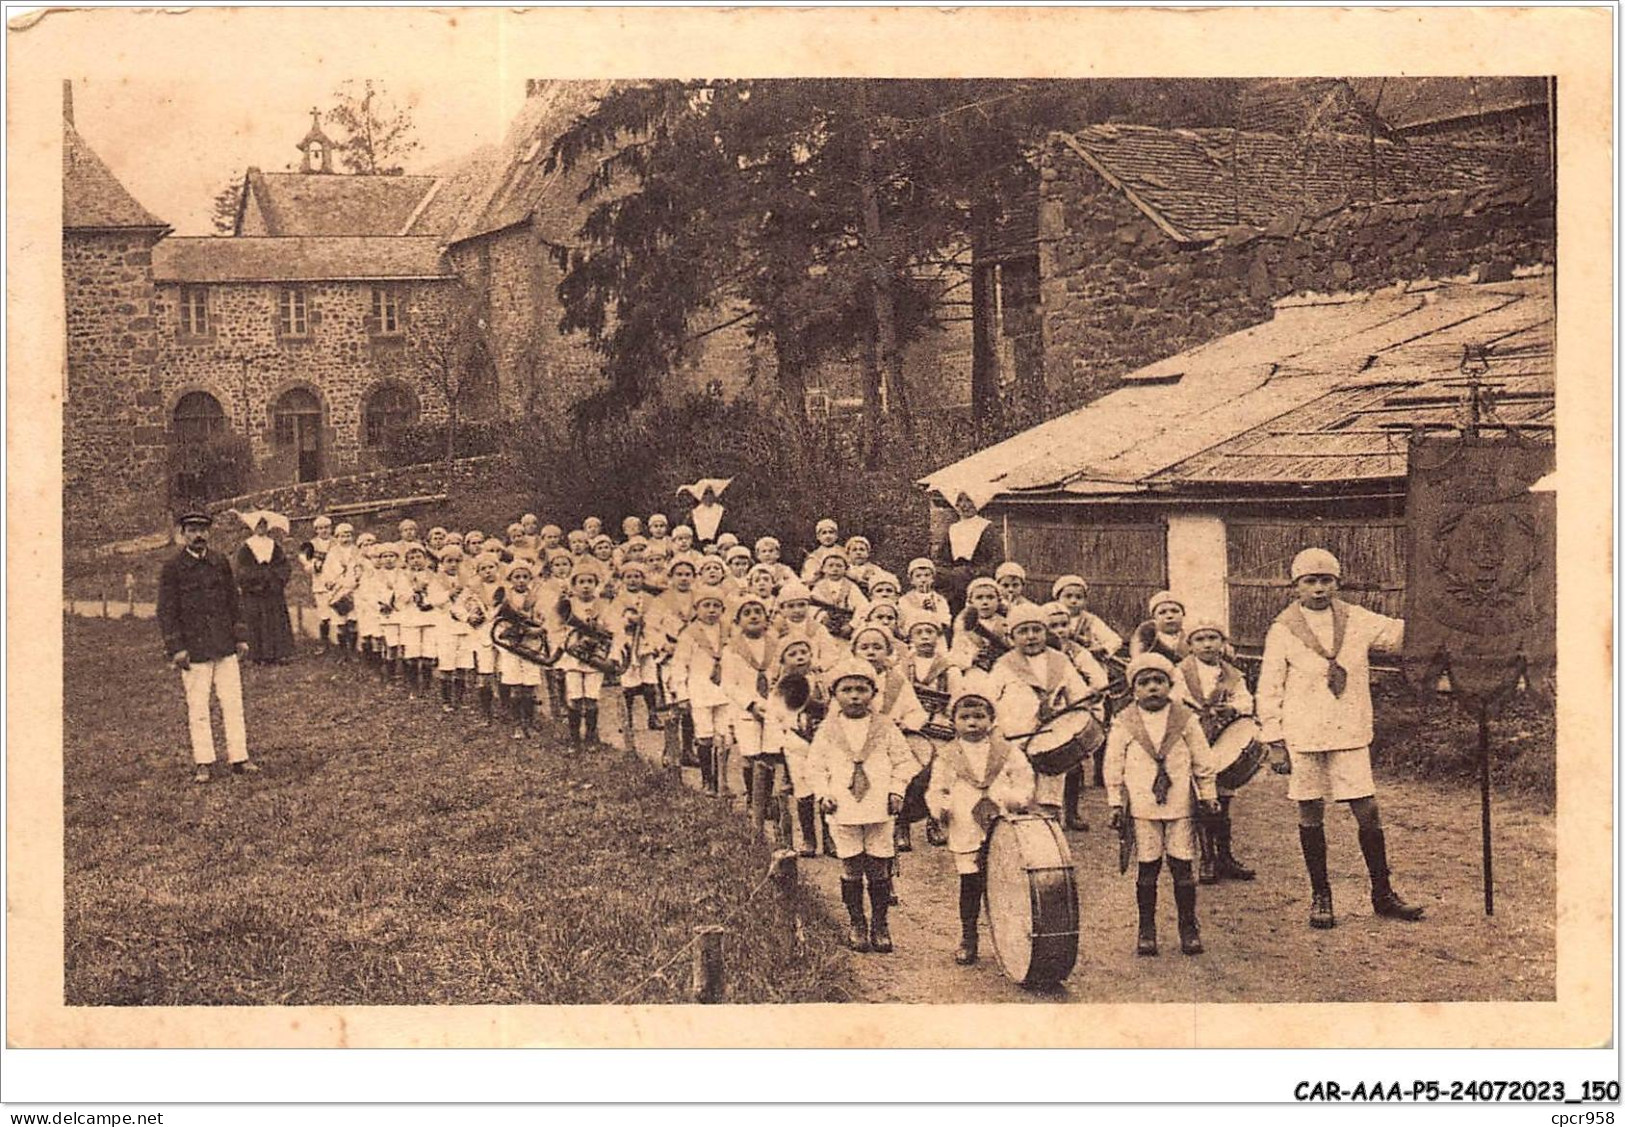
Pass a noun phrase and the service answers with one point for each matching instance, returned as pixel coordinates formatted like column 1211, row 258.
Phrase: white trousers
column 224, row 678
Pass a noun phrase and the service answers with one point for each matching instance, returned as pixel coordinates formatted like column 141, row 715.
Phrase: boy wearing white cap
column 767, row 554
column 637, row 642
column 860, row 567
column 1156, row 757
column 843, row 603
column 748, row 662
column 795, row 708
column 794, row 620
column 1314, row 708
column 1030, row 685
column 826, row 532
column 1085, row 627
column 922, row 599
column 1012, row 580
column 384, row 598
column 1164, row 632
column 582, row 613
column 978, row 776
column 860, row 766
column 980, row 635
column 933, row 673
column 311, row 554
column 697, row 679
column 340, row 575
column 418, row 599
column 1218, row 692
column 518, row 677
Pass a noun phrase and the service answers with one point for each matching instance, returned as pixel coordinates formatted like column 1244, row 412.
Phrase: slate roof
column 516, row 189
column 1306, row 398
column 92, row 197
column 311, row 259
column 1415, row 103
column 1196, row 183
column 299, row 204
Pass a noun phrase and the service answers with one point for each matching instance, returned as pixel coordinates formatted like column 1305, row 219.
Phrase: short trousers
column 415, row 642
column 579, row 685
column 710, row 720
column 485, row 656
column 515, row 670
column 874, row 838
column 967, row 863
column 392, row 633
column 453, row 650
column 1340, row 776
column 747, row 734
column 1154, row 837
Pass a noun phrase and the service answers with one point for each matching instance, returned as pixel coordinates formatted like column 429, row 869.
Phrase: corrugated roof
column 315, row 259
column 92, row 197
column 1412, row 103
column 1288, row 401
column 297, row 204
column 1197, row 183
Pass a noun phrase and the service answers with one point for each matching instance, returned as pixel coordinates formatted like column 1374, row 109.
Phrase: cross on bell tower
column 316, row 146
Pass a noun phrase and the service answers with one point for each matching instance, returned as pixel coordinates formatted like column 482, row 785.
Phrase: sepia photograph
column 810, row 543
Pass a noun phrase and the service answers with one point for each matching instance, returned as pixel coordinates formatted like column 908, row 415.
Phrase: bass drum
column 1032, row 899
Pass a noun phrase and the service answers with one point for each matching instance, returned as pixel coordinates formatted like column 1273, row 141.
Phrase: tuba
column 587, row 642
column 836, row 617
column 519, row 634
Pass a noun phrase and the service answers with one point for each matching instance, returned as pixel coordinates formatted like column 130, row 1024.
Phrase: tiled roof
column 516, row 188
column 1413, row 103
column 314, row 259
column 92, row 197
column 299, row 204
column 1195, row 183
column 1306, row 397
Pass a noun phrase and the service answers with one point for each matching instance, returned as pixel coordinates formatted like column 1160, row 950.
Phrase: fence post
column 708, row 967
column 104, row 597
column 129, row 594
column 783, row 872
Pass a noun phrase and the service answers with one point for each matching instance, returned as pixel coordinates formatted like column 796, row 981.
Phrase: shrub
column 220, row 466
column 422, row 442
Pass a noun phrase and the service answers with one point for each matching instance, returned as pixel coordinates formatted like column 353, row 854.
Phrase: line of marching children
column 854, row 702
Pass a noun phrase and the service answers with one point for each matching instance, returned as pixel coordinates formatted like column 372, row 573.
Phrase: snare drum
column 1237, row 753
column 1067, row 742
column 1032, row 899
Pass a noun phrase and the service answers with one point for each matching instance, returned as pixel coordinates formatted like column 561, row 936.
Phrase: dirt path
column 1256, row 934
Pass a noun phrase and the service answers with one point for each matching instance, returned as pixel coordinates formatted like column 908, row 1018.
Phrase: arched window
column 477, row 396
column 199, row 417
column 389, row 408
column 296, row 421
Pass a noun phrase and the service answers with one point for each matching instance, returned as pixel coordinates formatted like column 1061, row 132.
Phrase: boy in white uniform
column 1314, row 709
column 790, row 726
column 1028, row 685
column 697, row 679
column 748, row 662
column 860, row 766
column 1218, row 692
column 1156, row 757
column 826, row 532
column 978, row 775
column 923, row 600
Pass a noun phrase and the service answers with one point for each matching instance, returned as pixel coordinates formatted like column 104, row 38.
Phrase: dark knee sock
column 1312, row 839
column 971, row 886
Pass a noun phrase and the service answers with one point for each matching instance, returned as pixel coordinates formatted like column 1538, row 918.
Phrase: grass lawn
column 389, row 855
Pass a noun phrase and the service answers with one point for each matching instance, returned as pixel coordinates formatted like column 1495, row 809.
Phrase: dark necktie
column 860, row 781
column 1162, row 784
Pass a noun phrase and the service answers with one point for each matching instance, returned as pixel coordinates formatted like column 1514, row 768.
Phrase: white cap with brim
column 849, row 668
column 1149, row 662
column 1315, row 561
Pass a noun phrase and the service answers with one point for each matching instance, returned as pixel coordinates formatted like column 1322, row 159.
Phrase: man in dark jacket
column 203, row 637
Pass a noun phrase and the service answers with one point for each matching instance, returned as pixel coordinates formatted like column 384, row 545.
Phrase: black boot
column 902, row 838
column 805, row 815
column 655, row 723
column 627, row 697
column 706, row 750
column 1071, row 794
column 971, row 886
column 1384, row 900
column 459, row 691
column 324, row 635
column 688, row 755
column 589, row 724
column 573, row 712
column 880, row 899
column 485, row 695
column 852, row 896
column 758, row 782
column 445, row 695
column 1190, row 934
column 1145, row 896
column 1312, row 839
column 1228, row 867
column 384, row 667
column 1207, row 850
column 829, row 841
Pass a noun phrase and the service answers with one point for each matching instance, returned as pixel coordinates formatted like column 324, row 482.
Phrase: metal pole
column 1484, row 807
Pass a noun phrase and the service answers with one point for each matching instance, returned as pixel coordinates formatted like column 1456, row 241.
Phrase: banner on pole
column 1481, row 588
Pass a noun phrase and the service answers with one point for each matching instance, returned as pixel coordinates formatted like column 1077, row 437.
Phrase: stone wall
column 1117, row 293
column 304, row 501
column 247, row 364
column 113, row 457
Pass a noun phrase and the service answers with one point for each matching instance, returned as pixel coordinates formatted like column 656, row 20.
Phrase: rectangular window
column 292, row 317
column 195, row 311
column 386, row 310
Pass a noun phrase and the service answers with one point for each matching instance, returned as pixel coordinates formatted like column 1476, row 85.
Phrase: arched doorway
column 389, row 409
column 296, row 420
column 198, row 418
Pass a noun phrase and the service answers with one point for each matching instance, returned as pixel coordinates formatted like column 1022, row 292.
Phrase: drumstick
column 1078, row 705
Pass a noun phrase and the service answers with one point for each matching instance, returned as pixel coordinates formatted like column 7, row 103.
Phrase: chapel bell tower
column 316, row 146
